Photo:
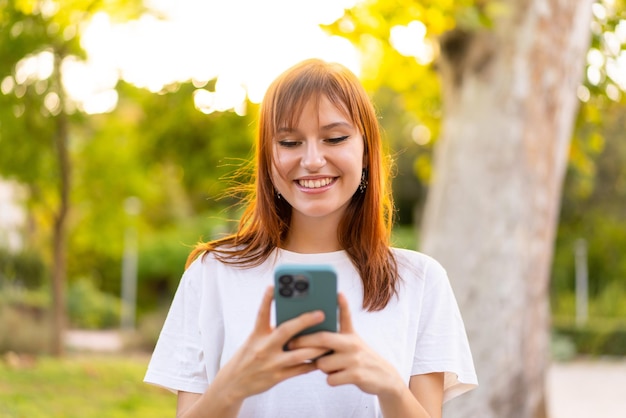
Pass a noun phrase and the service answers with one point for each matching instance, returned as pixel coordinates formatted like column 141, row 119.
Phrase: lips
column 315, row 183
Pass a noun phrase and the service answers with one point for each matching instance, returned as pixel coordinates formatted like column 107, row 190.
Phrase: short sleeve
column 442, row 344
column 177, row 362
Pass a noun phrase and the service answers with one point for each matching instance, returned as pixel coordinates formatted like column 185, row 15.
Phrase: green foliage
column 173, row 159
column 606, row 242
column 33, row 300
column 27, row 29
column 90, row 308
column 597, row 338
column 398, row 125
column 594, row 198
column 25, row 268
column 24, row 322
column 196, row 150
column 37, row 116
column 404, row 237
column 82, row 387
column 163, row 254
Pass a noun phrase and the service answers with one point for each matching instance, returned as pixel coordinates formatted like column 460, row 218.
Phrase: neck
column 312, row 235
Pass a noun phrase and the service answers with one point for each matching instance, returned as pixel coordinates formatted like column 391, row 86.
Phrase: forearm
column 214, row 403
column 402, row 404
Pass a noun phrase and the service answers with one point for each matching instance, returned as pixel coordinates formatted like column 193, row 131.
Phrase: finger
column 345, row 318
column 297, row 370
column 339, row 378
column 288, row 329
column 263, row 318
column 303, row 355
column 334, row 363
column 320, row 339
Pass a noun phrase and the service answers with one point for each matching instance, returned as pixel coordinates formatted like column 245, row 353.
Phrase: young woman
column 321, row 196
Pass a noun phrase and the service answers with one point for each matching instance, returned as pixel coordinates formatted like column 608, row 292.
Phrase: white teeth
column 314, row 184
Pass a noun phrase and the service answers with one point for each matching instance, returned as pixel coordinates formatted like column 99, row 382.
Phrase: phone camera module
column 286, row 292
column 293, row 285
column 301, row 285
column 286, row 279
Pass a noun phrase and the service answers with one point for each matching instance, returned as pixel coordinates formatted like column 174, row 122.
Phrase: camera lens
column 286, row 279
column 285, row 292
column 301, row 285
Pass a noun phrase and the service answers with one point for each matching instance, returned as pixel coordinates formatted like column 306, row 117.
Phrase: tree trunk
column 59, row 237
column 492, row 210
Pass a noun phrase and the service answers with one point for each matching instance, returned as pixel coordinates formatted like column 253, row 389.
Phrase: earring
column 278, row 195
column 363, row 184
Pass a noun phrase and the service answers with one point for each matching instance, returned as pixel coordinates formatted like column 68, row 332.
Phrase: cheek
column 279, row 168
column 276, row 175
column 285, row 161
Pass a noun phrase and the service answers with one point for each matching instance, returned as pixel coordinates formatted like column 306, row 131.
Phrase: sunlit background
column 175, row 43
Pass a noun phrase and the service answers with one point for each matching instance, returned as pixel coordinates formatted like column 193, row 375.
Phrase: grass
column 84, row 386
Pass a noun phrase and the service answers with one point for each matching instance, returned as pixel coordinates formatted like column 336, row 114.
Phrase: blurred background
column 123, row 124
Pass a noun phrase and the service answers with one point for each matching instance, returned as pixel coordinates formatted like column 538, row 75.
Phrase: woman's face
column 317, row 164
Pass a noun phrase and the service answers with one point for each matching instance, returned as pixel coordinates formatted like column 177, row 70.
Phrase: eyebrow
column 323, row 128
column 336, row 125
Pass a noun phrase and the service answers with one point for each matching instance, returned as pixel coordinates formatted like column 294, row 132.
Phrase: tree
column 35, row 39
column 491, row 213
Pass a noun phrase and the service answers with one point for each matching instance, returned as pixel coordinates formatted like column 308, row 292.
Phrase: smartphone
column 300, row 288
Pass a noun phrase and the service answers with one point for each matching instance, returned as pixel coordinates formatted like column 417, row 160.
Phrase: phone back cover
column 322, row 295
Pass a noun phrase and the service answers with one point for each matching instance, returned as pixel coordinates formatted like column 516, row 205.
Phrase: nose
column 313, row 158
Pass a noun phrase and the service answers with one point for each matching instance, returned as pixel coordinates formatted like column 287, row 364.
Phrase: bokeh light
column 410, row 40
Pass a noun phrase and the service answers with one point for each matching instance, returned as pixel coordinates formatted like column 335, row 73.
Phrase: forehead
column 330, row 111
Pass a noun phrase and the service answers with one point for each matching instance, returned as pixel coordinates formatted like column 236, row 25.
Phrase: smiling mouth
column 315, row 184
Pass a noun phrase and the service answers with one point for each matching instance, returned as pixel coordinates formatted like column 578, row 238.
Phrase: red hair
column 365, row 228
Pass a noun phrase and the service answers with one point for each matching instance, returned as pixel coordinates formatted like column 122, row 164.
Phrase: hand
column 352, row 361
column 261, row 362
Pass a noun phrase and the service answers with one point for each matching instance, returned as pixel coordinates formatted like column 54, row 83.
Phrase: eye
column 288, row 143
column 337, row 140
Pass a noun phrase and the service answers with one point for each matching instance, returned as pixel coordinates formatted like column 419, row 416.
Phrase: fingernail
column 318, row 315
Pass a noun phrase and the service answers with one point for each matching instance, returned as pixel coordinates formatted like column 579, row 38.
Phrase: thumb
column 262, row 324
column 345, row 318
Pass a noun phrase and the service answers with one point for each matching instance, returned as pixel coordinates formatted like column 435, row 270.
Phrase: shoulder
column 219, row 267
column 214, row 259
column 206, row 265
column 412, row 263
column 421, row 272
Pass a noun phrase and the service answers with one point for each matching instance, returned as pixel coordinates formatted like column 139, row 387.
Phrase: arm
column 257, row 366
column 353, row 362
column 423, row 398
column 428, row 390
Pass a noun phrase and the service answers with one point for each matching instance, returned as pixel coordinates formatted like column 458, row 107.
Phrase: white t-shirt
column 216, row 305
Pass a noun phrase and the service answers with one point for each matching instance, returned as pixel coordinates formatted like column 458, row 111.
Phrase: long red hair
column 365, row 229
